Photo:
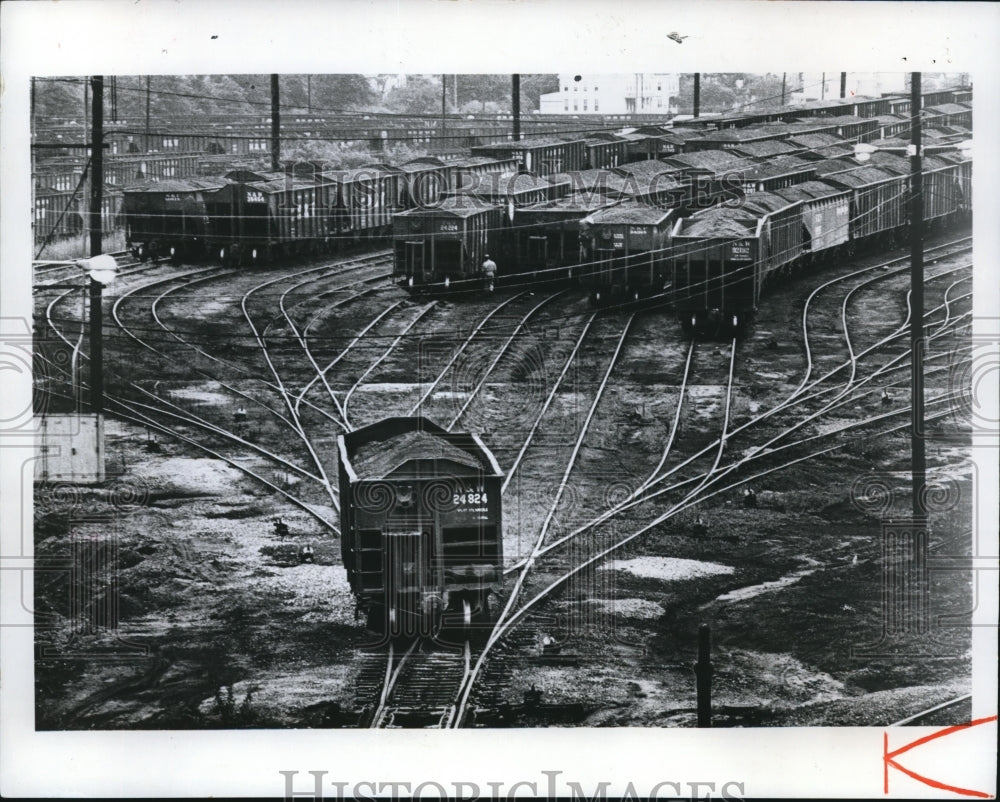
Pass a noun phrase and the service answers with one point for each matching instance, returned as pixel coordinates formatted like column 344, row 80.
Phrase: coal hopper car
column 421, row 525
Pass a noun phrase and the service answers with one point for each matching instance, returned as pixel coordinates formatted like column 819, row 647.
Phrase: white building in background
column 630, row 93
column 826, row 85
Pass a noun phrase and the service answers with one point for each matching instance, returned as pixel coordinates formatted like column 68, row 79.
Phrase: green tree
column 421, row 95
column 533, row 86
column 715, row 97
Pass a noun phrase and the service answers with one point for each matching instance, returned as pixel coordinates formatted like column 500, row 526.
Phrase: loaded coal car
column 714, row 175
column 766, row 148
column 776, row 172
column 650, row 142
column 257, row 217
column 723, row 257
column 603, row 150
column 547, row 235
column 512, row 190
column 169, row 217
column 651, row 182
column 826, row 231
column 446, row 244
column 879, row 204
column 421, row 525
column 464, row 172
column 737, row 138
column 625, row 250
column 364, row 200
column 539, row 155
column 943, row 194
column 425, row 179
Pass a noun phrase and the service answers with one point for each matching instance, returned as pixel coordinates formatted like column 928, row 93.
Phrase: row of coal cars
column 248, row 216
column 706, row 222
column 705, row 230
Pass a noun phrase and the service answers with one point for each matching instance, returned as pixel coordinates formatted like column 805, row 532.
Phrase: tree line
column 125, row 96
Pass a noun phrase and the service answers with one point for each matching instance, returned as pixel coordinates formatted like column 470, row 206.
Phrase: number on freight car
column 740, row 250
column 448, row 227
column 255, row 197
column 173, row 196
column 468, row 499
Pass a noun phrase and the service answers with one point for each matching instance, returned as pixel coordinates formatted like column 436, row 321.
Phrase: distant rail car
column 445, row 244
column 789, row 184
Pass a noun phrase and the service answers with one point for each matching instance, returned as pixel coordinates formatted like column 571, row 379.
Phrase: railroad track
column 422, row 313
column 695, row 489
column 402, row 709
column 421, row 686
column 152, row 413
column 692, row 497
column 933, row 715
column 60, row 272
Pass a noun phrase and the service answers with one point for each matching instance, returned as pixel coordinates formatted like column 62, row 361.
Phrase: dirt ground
column 167, row 599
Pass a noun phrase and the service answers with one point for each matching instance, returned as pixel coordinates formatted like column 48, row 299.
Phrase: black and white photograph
column 543, row 422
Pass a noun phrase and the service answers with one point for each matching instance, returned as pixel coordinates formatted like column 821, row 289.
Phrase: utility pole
column 275, row 125
column 96, row 201
column 783, row 77
column 89, row 175
column 146, row 147
column 309, row 93
column 34, row 223
column 515, row 103
column 822, row 88
column 919, row 466
column 697, row 94
column 703, row 672
column 843, row 85
column 444, row 104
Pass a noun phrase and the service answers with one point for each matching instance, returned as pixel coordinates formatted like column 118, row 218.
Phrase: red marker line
column 887, row 759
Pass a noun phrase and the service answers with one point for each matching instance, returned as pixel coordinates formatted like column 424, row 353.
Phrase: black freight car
column 547, row 235
column 826, row 213
column 445, row 243
column 363, row 200
column 256, row 217
column 465, row 172
column 425, row 179
column 723, row 257
column 539, row 155
column 169, row 217
column 879, row 204
column 625, row 249
column 603, row 150
column 421, row 525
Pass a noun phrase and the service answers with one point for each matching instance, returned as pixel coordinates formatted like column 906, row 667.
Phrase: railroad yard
column 627, row 449
column 360, row 417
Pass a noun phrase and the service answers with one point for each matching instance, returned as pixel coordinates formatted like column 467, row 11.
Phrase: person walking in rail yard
column 490, row 271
